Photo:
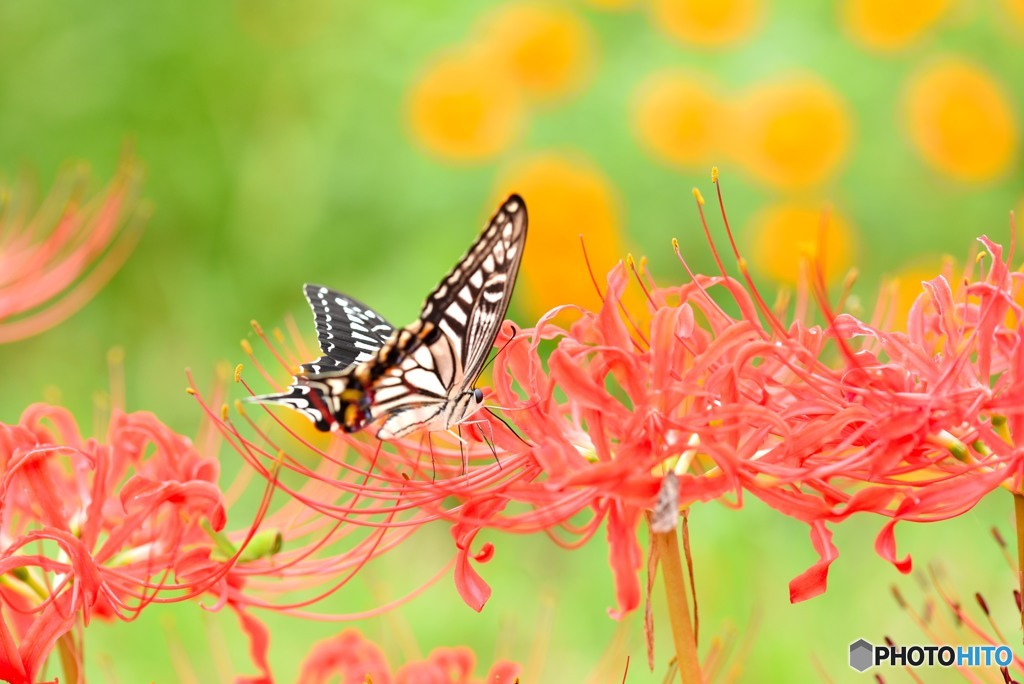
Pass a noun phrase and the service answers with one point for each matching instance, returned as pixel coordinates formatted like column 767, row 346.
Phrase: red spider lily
column 697, row 391
column 933, row 413
column 352, row 659
column 808, row 417
column 391, row 488
column 54, row 259
column 94, row 529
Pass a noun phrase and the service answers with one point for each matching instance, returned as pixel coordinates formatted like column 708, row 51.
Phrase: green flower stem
column 678, row 601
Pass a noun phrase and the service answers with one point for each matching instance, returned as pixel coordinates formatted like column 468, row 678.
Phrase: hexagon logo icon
column 861, row 655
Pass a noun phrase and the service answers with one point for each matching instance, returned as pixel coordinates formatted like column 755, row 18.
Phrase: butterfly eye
column 478, row 395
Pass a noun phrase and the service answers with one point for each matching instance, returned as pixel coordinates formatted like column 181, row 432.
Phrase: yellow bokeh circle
column 1015, row 9
column 612, row 4
column 566, row 197
column 545, row 50
column 461, row 109
column 900, row 290
column 792, row 134
column 707, row 23
column 960, row 121
column 890, row 24
column 679, row 118
column 785, row 236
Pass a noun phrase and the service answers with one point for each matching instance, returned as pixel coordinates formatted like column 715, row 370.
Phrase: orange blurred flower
column 56, row 257
column 794, row 133
column 545, row 50
column 707, row 23
column 887, row 25
column 783, row 236
column 612, row 4
column 1015, row 9
column 901, row 289
column 961, row 121
column 569, row 198
column 679, row 118
column 464, row 107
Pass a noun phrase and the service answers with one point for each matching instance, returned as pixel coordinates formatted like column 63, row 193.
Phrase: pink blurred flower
column 349, row 658
column 54, row 258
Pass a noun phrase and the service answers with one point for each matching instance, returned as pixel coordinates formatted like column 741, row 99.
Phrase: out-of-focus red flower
column 54, row 258
column 349, row 658
column 92, row 528
column 104, row 527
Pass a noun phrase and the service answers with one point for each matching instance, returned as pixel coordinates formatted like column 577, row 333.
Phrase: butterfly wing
column 470, row 303
column 348, row 331
column 425, row 374
column 420, row 376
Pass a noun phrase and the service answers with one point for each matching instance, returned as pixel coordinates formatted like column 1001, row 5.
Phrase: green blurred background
column 361, row 145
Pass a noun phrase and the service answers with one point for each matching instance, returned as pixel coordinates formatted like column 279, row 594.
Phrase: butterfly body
column 421, row 376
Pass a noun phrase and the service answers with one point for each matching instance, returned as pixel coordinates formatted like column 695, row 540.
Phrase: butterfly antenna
column 505, row 423
column 515, row 331
column 462, row 450
column 433, row 464
column 489, row 443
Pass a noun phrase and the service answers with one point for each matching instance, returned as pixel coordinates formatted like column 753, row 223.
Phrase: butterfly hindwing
column 348, row 331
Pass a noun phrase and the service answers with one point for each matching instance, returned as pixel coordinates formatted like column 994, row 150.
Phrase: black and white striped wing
column 434, row 363
column 470, row 303
column 349, row 332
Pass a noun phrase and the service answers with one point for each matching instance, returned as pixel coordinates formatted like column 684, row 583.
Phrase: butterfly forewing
column 426, row 375
column 470, row 303
column 348, row 331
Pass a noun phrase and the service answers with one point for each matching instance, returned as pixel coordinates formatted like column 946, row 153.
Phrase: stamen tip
column 675, row 244
column 698, row 197
column 190, row 391
column 223, row 411
column 238, row 372
column 714, row 174
column 256, row 326
column 246, row 347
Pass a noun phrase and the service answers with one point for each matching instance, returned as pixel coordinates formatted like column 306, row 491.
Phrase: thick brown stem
column 69, row 658
column 1018, row 510
column 678, row 601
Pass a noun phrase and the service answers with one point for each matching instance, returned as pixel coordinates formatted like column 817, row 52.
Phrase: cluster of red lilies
column 812, row 410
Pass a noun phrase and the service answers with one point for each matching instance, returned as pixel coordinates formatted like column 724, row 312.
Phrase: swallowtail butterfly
column 421, row 376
